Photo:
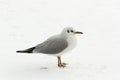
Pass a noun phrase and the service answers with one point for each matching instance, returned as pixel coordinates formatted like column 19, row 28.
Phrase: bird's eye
column 71, row 30
column 68, row 31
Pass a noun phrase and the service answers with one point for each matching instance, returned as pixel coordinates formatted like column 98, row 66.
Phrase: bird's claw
column 62, row 65
column 65, row 63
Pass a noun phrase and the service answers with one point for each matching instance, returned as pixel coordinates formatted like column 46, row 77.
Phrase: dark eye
column 71, row 30
column 68, row 31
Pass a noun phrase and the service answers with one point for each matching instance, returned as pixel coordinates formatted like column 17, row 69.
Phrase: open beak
column 77, row 32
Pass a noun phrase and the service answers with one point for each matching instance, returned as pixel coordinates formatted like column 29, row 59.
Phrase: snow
column 26, row 23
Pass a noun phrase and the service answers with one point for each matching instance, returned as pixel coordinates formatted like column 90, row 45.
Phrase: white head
column 69, row 31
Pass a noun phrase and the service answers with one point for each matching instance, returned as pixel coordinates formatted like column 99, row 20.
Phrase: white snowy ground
column 25, row 23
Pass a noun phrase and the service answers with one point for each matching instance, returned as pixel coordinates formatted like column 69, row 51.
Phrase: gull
column 56, row 45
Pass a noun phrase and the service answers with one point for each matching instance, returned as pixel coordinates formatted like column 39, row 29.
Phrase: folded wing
column 51, row 46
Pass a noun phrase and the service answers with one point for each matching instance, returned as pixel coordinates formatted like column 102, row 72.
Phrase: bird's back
column 52, row 45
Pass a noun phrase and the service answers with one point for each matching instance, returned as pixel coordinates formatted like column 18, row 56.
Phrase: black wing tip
column 19, row 51
column 26, row 51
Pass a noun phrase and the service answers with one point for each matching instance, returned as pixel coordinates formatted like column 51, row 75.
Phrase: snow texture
column 26, row 23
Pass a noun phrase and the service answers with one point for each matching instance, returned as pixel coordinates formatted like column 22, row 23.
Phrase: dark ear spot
column 68, row 31
column 71, row 30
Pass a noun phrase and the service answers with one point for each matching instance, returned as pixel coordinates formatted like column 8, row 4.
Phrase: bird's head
column 69, row 31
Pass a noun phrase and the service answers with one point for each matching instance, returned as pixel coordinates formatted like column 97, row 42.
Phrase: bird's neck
column 67, row 37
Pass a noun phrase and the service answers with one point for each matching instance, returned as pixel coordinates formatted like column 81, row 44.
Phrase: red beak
column 77, row 32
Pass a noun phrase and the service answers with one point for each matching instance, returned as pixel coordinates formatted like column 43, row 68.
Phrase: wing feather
column 52, row 46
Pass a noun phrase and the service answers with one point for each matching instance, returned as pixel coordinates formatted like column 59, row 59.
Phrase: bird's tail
column 26, row 50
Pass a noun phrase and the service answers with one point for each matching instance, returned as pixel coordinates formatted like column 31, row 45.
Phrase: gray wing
column 52, row 46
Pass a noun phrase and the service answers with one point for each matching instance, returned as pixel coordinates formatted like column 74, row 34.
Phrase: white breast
column 71, row 45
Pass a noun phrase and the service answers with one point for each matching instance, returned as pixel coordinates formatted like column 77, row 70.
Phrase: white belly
column 71, row 45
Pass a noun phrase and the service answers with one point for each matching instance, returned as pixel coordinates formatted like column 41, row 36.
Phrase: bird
column 56, row 45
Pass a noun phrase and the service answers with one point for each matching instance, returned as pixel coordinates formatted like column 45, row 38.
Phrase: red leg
column 60, row 64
